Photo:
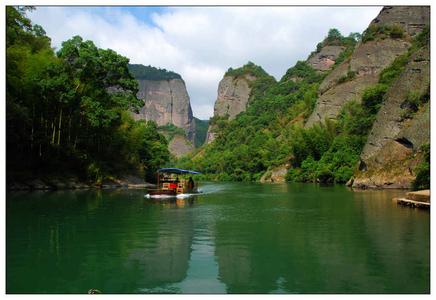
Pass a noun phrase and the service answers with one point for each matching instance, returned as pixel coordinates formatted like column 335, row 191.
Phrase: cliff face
column 166, row 102
column 412, row 19
column 232, row 99
column 391, row 153
column 233, row 95
column 369, row 58
column 325, row 58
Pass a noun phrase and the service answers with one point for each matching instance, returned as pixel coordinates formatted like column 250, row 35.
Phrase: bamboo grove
column 70, row 109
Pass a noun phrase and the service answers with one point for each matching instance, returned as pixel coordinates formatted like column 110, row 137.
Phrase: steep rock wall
column 367, row 61
column 233, row 95
column 411, row 18
column 392, row 152
column 232, row 99
column 166, row 102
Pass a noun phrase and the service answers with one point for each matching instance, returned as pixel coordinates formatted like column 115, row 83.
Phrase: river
column 233, row 238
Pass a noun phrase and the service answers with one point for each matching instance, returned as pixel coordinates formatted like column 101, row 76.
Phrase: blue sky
column 142, row 13
column 201, row 43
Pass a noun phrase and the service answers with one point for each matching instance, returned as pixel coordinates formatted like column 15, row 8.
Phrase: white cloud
column 201, row 43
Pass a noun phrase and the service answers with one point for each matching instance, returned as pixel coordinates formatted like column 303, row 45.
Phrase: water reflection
column 236, row 238
column 110, row 240
column 163, row 257
column 333, row 241
column 173, row 202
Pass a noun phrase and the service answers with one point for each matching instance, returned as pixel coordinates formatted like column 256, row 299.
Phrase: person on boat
column 190, row 183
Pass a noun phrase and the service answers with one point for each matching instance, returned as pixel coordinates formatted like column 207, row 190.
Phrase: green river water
column 234, row 238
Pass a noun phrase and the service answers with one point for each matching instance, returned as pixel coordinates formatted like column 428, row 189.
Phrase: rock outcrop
column 391, row 153
column 180, row 146
column 166, row 102
column 369, row 58
column 232, row 99
column 233, row 95
column 412, row 19
column 325, row 58
column 276, row 174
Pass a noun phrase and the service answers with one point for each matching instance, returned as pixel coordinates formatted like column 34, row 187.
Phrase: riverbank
column 73, row 183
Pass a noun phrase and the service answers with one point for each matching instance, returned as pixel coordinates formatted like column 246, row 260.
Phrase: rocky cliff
column 387, row 37
column 234, row 92
column 392, row 152
column 232, row 99
column 385, row 70
column 324, row 59
column 166, row 102
column 233, row 95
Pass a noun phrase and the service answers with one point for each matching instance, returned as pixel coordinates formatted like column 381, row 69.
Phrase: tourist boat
column 173, row 181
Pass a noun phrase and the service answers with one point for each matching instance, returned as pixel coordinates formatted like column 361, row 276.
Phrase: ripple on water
column 235, row 238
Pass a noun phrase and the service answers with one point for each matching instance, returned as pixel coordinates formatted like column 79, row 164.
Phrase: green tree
column 70, row 110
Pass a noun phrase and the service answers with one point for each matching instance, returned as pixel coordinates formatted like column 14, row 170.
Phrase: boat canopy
column 177, row 171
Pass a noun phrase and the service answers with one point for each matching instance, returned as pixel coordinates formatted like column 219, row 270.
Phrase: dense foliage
column 422, row 180
column 335, row 38
column 200, row 131
column 270, row 132
column 152, row 73
column 69, row 110
column 258, row 138
column 170, row 131
column 375, row 31
column 329, row 152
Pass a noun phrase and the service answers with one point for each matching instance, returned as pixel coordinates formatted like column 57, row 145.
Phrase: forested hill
column 68, row 113
column 340, row 89
column 151, row 73
column 262, row 137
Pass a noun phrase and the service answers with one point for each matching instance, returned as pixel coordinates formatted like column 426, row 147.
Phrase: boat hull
column 154, row 192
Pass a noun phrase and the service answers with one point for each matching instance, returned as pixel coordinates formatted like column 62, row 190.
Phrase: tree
column 71, row 108
column 334, row 34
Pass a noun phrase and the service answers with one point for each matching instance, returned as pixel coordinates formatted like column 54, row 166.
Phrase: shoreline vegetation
column 69, row 112
column 74, row 183
column 70, row 126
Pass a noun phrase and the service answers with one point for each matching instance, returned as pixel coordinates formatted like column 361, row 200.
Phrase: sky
column 201, row 43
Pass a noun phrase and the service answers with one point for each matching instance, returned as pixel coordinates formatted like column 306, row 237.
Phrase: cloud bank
column 201, row 43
